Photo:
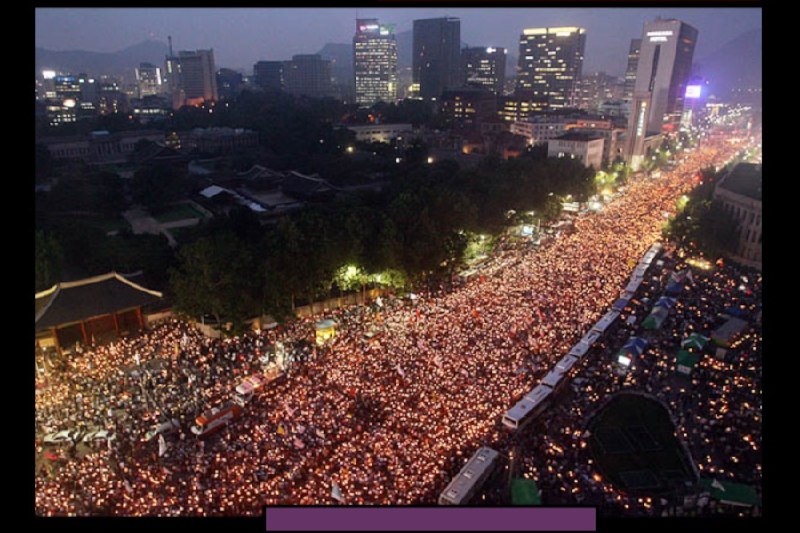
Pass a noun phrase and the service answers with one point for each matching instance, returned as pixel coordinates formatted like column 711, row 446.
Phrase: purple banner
column 430, row 519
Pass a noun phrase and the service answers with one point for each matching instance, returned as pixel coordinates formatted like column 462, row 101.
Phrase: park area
column 633, row 442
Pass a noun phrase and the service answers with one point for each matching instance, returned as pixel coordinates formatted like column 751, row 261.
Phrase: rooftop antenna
column 169, row 38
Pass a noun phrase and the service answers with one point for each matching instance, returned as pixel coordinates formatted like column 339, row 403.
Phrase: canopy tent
column 666, row 301
column 675, row 285
column 731, row 493
column 727, row 333
column 695, row 340
column 686, row 361
column 656, row 318
column 737, row 312
column 634, row 346
column 525, row 492
column 325, row 330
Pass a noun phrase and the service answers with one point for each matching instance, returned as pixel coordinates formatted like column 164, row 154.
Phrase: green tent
column 525, row 492
column 655, row 318
column 731, row 493
column 695, row 340
column 686, row 361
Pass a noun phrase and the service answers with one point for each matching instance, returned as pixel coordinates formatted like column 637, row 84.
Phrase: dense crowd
column 716, row 410
column 386, row 419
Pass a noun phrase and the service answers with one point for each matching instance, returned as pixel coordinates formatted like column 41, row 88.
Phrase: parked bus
column 215, row 419
column 528, row 408
column 468, row 481
column 248, row 386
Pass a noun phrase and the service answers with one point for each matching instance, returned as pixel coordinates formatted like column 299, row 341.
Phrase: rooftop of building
column 582, row 137
column 744, row 179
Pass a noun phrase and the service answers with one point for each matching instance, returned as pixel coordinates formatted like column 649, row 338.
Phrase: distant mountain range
column 735, row 64
column 120, row 63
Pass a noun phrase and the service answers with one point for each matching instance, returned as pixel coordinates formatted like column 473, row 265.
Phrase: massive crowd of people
column 716, row 409
column 386, row 419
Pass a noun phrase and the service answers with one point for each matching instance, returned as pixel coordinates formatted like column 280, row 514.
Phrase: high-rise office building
column 374, row 62
column 308, row 75
column 665, row 62
column 484, row 67
column 198, row 80
column 437, row 56
column 269, row 74
column 630, row 72
column 550, row 63
column 148, row 80
column 172, row 76
column 229, row 82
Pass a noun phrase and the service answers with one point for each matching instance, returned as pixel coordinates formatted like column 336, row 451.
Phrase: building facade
column 585, row 148
column 550, row 64
column 381, row 132
column 436, row 62
column 268, row 74
column 148, row 80
column 740, row 194
column 198, row 80
column 468, row 106
column 665, row 61
column 484, row 67
column 374, row 62
column 308, row 75
column 630, row 72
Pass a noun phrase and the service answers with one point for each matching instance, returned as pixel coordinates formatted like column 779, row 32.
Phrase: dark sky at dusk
column 240, row 37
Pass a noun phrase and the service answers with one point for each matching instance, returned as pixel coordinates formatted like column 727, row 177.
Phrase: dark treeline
column 413, row 232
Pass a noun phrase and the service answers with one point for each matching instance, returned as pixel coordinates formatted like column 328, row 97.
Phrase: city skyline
column 109, row 30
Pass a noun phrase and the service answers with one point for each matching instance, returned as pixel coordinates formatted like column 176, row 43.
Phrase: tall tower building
column 374, row 62
column 484, row 67
column 308, row 75
column 269, row 74
column 630, row 72
column 198, row 79
column 437, row 56
column 550, row 64
column 665, row 62
column 148, row 80
column 172, row 77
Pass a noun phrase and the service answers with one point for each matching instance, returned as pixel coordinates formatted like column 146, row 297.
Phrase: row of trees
column 703, row 224
column 413, row 232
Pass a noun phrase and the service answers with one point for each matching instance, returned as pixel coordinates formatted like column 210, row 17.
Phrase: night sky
column 240, row 37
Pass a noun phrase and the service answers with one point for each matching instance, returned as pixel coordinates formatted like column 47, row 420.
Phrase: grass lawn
column 178, row 212
column 635, row 448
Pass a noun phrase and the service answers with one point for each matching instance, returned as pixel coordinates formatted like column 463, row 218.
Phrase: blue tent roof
column 735, row 311
column 635, row 345
column 666, row 301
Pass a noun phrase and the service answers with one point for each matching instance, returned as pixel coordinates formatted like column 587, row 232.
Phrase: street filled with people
column 389, row 417
column 716, row 409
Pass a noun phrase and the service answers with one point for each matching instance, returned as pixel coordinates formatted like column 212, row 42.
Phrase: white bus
column 603, row 324
column 528, row 408
column 469, row 479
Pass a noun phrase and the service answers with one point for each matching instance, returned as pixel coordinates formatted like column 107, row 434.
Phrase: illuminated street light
column 430, row 160
column 350, row 149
